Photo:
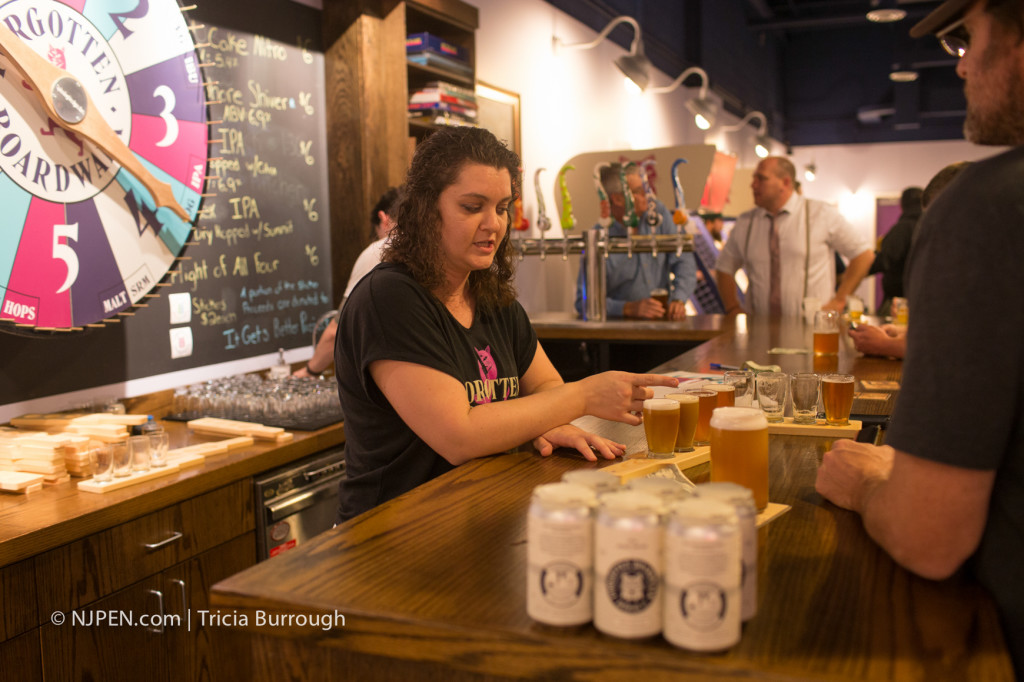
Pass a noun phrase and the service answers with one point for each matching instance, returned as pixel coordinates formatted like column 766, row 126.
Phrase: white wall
column 574, row 102
column 571, row 102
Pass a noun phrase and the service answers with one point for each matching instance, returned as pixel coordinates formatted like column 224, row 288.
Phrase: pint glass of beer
column 689, row 412
column 661, row 296
column 837, row 394
column 661, row 423
column 708, row 401
column 739, row 450
column 826, row 332
column 726, row 394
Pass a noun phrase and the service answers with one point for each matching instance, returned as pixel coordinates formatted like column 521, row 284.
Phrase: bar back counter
column 432, row 585
column 79, row 571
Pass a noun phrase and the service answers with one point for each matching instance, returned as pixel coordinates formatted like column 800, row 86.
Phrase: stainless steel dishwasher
column 297, row 501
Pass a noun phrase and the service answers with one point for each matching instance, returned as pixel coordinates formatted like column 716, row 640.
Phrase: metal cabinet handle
column 177, row 535
column 184, row 596
column 160, row 599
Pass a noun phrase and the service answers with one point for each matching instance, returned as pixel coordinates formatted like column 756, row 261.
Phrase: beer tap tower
column 594, row 244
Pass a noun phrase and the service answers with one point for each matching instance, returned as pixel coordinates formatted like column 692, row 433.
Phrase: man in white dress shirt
column 786, row 246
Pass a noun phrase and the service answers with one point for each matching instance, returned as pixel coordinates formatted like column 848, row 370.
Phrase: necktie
column 775, row 290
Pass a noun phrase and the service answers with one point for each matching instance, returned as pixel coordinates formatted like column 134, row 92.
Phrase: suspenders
column 807, row 249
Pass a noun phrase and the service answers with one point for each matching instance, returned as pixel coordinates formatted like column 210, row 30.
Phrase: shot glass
column 771, row 394
column 138, row 447
column 837, row 394
column 661, row 424
column 805, row 388
column 122, row 457
column 101, row 456
column 826, row 332
column 158, row 445
column 743, row 382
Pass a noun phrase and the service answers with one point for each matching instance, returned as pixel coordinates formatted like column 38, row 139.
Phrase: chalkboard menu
column 255, row 275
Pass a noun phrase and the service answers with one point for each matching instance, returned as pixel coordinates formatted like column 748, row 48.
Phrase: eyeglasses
column 955, row 39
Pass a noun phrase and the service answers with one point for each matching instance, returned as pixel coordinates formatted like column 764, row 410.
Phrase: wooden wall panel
column 366, row 128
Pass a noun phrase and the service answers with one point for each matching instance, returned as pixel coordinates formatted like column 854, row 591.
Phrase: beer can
column 598, row 480
column 560, row 541
column 702, row 575
column 668, row 490
column 742, row 500
column 627, row 564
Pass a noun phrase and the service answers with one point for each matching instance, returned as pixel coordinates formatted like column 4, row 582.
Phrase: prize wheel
column 82, row 238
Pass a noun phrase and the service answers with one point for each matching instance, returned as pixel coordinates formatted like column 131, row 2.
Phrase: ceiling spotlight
column 763, row 146
column 903, row 76
column 810, row 172
column 633, row 65
column 885, row 12
column 704, row 112
column 763, row 143
column 886, row 16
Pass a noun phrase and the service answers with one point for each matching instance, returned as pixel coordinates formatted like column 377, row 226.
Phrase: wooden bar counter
column 432, row 585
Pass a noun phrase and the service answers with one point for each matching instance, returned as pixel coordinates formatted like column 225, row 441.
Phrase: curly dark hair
column 416, row 239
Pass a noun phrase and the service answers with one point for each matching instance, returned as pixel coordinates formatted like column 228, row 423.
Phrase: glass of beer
column 707, row 402
column 743, row 383
column 837, row 394
column 689, row 412
column 826, row 332
column 739, row 450
column 900, row 311
column 661, row 296
column 661, row 424
column 726, row 394
column 771, row 394
column 805, row 388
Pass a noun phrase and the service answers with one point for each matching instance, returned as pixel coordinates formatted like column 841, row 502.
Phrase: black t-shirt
column 962, row 396
column 389, row 316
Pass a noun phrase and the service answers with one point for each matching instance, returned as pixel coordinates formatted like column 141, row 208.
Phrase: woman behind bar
column 435, row 346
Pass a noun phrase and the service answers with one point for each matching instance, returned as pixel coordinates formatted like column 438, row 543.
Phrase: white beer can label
column 559, row 570
column 627, row 588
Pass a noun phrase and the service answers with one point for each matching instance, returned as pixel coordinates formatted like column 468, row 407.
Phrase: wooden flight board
column 820, row 428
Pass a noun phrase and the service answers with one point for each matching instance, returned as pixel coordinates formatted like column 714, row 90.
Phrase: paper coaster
column 877, row 385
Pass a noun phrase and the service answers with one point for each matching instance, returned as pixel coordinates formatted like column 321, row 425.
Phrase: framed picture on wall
column 499, row 112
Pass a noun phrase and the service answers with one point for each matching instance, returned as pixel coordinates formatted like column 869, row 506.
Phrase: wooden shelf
column 420, row 74
column 452, row 21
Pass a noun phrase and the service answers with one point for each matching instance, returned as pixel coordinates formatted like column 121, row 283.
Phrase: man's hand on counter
column 652, row 309
column 677, row 310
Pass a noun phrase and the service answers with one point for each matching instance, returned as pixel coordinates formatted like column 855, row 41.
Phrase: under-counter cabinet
column 87, row 600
